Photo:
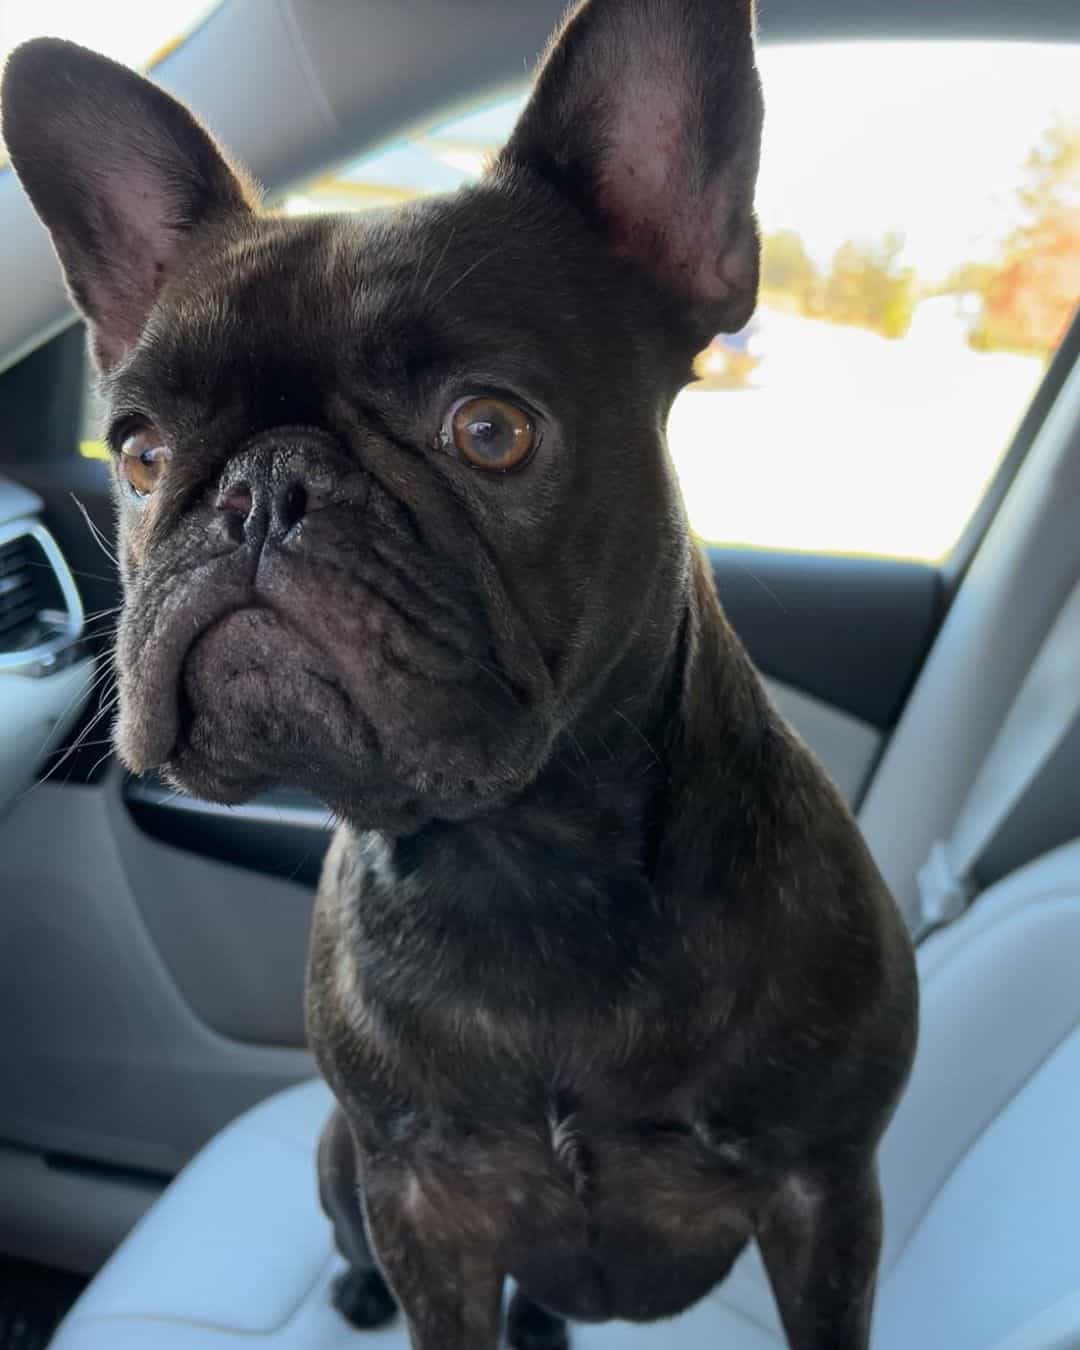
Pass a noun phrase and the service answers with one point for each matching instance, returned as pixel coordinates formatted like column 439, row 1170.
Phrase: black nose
column 279, row 480
column 288, row 503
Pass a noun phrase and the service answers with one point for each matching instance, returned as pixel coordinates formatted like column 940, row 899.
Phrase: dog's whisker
column 100, row 629
column 75, row 572
column 498, row 248
column 302, row 863
column 421, row 257
column 95, row 680
column 98, row 763
column 71, row 750
column 431, row 275
column 641, row 736
column 763, row 584
column 574, row 742
column 98, row 536
column 102, row 613
column 494, row 675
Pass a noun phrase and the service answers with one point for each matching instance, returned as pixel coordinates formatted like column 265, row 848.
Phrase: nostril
column 236, row 500
column 294, row 505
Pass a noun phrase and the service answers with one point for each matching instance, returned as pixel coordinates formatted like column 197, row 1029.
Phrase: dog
column 602, row 975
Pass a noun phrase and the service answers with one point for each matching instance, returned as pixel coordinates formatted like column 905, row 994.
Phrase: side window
column 921, row 219
column 920, row 212
column 139, row 36
column 90, row 429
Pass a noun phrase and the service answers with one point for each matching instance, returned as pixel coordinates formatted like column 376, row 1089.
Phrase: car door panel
column 850, row 631
column 104, row 1054
column 846, row 745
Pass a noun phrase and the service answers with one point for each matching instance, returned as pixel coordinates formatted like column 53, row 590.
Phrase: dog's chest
column 596, row 1215
column 413, row 998
column 558, row 1115
column 457, row 964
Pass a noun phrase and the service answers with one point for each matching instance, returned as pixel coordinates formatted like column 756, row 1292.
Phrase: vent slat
column 14, row 582
column 20, row 594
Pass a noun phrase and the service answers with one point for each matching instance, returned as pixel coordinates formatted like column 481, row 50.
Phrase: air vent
column 40, row 611
column 21, row 561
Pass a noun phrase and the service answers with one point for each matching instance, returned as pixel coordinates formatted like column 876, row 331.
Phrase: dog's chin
column 261, row 707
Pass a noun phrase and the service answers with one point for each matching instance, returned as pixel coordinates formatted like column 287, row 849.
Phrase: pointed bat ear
column 122, row 175
column 648, row 115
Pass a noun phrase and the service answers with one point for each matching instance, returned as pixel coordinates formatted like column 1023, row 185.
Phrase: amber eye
column 143, row 456
column 489, row 433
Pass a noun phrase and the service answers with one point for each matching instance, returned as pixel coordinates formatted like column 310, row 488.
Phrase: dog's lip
column 203, row 689
column 153, row 663
column 163, row 655
column 159, row 666
column 166, row 657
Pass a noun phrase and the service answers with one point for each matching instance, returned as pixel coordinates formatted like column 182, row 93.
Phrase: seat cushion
column 237, row 1253
column 980, row 1172
column 981, row 1166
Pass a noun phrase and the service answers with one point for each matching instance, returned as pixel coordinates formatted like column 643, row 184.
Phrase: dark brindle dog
column 602, row 975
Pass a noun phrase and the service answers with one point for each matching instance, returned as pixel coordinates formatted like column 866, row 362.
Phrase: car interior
column 159, row 1108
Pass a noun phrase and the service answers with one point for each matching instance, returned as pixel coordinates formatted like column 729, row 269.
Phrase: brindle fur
column 606, row 1091
column 602, row 976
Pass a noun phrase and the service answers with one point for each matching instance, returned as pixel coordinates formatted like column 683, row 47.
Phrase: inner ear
column 130, row 245
column 648, row 115
column 122, row 175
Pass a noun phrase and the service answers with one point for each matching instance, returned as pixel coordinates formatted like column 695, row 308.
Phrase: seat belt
column 1025, row 799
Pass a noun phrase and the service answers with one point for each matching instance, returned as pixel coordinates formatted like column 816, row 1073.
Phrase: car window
column 138, row 35
column 920, row 212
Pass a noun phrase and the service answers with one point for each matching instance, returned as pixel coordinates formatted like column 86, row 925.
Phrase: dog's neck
column 614, row 800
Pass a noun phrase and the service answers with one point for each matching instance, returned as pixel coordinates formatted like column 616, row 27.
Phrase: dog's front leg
column 360, row 1294
column 821, row 1240
column 440, row 1258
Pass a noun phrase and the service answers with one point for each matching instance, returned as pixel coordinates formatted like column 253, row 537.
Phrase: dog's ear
column 648, row 114
column 120, row 173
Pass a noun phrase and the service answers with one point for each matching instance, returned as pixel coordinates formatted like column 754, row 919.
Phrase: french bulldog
column 602, row 976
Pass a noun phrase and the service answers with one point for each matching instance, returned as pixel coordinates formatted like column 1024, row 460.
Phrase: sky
column 926, row 138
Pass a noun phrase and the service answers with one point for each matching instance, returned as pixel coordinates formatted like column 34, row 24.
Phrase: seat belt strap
column 1025, row 798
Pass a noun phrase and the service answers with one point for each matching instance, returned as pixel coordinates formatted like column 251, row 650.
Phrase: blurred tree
column 789, row 279
column 1030, row 293
column 867, row 286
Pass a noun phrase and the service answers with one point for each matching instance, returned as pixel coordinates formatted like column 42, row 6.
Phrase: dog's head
column 394, row 500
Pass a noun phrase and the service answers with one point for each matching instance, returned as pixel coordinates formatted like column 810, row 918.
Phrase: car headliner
column 297, row 86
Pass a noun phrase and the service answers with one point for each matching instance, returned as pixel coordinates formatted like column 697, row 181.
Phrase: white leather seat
column 981, row 1170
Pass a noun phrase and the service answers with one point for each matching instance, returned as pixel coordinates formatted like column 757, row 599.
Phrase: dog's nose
column 275, row 483
column 288, row 503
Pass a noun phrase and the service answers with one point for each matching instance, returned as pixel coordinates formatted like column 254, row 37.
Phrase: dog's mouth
column 338, row 694
column 258, row 704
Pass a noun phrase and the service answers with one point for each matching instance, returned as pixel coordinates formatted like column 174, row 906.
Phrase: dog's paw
column 363, row 1299
column 530, row 1327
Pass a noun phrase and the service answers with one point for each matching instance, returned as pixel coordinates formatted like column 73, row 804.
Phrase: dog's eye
column 489, row 433
column 143, row 456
